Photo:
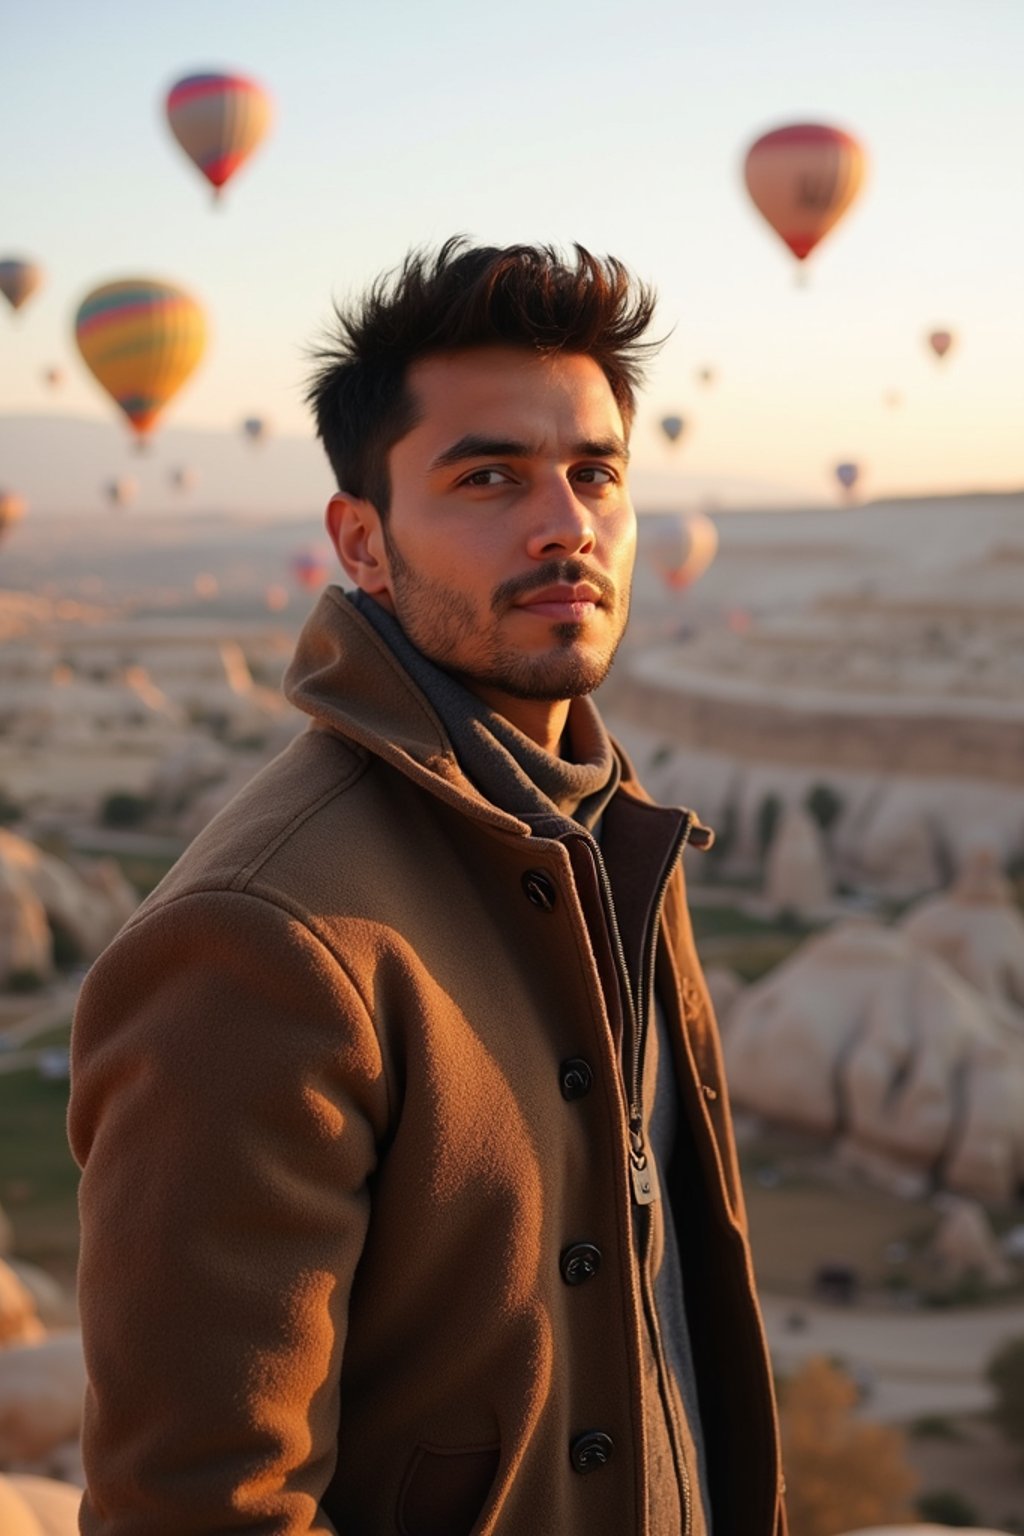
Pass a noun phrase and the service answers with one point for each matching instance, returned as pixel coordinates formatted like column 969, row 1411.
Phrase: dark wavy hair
column 458, row 297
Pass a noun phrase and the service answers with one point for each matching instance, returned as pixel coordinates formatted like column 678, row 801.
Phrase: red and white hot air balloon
column 802, row 179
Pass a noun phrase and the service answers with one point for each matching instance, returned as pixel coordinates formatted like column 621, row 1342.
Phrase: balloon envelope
column 218, row 120
column 122, row 491
column 683, row 554
column 255, row 428
column 12, row 510
column 19, row 280
column 141, row 339
column 802, row 179
column 673, row 427
column 940, row 342
column 310, row 569
column 848, row 475
column 53, row 378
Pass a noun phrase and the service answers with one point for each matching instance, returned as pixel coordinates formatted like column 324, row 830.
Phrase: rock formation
column 40, row 893
column 863, row 1035
column 796, row 877
column 977, row 929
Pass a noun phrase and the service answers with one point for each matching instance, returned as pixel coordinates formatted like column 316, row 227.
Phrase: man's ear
column 356, row 533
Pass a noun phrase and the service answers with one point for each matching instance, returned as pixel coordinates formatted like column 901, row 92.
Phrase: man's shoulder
column 302, row 796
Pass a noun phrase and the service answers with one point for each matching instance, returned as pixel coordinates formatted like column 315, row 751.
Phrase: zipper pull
column 641, row 1168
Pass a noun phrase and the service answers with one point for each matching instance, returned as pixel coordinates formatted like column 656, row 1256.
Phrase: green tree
column 825, row 805
column 1005, row 1372
column 944, row 1506
column 122, row 809
column 768, row 813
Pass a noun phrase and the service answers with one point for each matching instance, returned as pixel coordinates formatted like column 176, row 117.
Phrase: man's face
column 510, row 541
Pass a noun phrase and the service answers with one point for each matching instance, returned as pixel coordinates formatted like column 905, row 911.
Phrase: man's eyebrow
column 476, row 446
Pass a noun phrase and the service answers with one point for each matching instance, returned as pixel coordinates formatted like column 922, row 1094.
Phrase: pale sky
column 621, row 126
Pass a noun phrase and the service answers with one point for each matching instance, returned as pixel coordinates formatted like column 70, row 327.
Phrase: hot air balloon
column 53, row 378
column 706, row 376
column 122, row 491
column 847, row 475
column 206, row 585
column 255, row 428
column 12, row 510
column 673, row 427
column 141, row 339
column 310, row 569
column 802, row 179
column 940, row 343
column 683, row 554
column 183, row 478
column 19, row 280
column 276, row 598
column 218, row 120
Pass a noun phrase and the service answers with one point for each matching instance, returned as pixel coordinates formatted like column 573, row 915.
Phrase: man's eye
column 595, row 474
column 485, row 477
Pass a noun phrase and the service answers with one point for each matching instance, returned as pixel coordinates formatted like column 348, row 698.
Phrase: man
column 410, row 1201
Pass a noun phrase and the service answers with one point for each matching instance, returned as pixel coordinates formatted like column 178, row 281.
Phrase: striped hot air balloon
column 141, row 339
column 802, row 179
column 218, row 120
column 19, row 279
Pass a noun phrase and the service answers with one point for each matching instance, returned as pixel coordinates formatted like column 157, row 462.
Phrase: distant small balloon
column 673, row 427
column 19, row 279
column 256, row 429
column 706, row 376
column 54, row 378
column 12, row 509
column 940, row 343
column 206, row 585
column 802, row 179
column 682, row 555
column 310, row 569
column 183, row 478
column 893, row 399
column 219, row 120
column 122, row 491
column 847, row 475
column 277, row 598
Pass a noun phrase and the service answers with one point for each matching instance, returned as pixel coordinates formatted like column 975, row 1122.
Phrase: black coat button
column 590, row 1451
column 575, row 1078
column 540, row 889
column 579, row 1262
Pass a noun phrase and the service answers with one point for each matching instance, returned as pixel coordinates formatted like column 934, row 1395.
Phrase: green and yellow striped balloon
column 141, row 339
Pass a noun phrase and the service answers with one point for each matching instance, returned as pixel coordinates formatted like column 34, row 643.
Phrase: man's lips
column 563, row 603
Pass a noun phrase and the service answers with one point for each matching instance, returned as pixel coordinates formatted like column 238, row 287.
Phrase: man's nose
column 562, row 522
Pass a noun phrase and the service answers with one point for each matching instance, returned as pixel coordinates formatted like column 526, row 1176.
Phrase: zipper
column 642, row 1176
column 643, row 1184
column 654, row 1334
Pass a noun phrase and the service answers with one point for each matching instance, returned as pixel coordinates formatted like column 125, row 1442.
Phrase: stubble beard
column 445, row 627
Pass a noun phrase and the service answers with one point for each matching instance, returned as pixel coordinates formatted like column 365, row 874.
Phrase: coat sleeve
column 227, row 1100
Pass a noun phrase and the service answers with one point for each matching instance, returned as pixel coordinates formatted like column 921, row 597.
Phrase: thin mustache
column 554, row 573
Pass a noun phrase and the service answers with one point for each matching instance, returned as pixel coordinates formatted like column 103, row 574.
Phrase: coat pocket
column 444, row 1491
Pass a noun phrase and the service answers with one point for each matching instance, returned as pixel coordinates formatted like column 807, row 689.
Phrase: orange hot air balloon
column 12, row 510
column 19, row 280
column 141, row 339
column 218, row 120
column 802, row 179
column 683, row 554
column 940, row 343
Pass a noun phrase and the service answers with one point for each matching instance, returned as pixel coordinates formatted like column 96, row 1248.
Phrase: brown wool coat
column 330, row 1167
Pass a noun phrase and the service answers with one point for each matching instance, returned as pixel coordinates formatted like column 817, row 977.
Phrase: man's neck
column 541, row 720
